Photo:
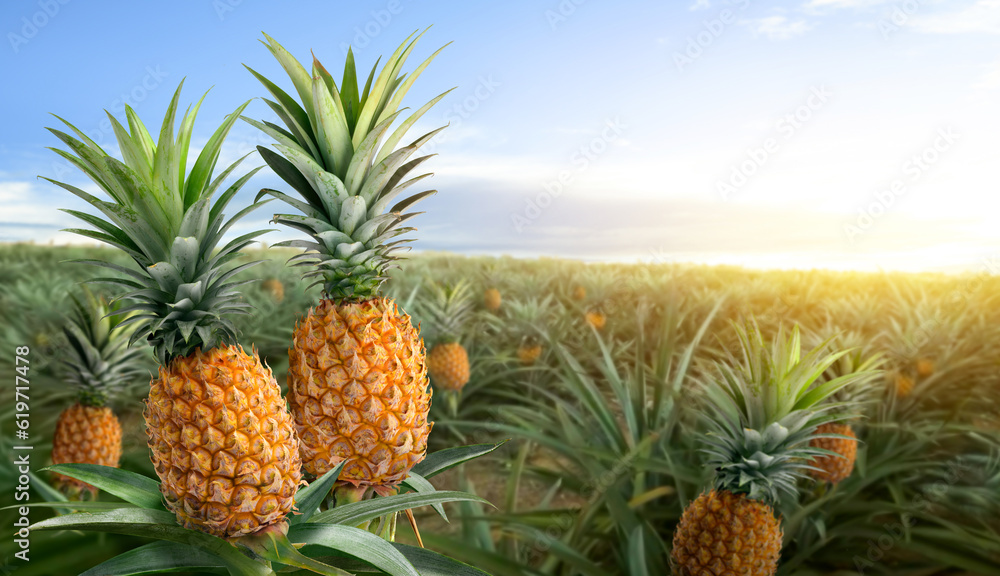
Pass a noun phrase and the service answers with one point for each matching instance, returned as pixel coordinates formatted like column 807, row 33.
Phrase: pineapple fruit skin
column 358, row 391
column 222, row 442
column 722, row 533
column 579, row 293
column 448, row 364
column 831, row 468
column 528, row 355
column 904, row 385
column 492, row 299
column 596, row 319
column 925, row 368
column 85, row 435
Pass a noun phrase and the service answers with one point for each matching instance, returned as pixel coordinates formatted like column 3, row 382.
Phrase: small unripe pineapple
column 528, row 354
column 448, row 364
column 275, row 288
column 492, row 299
column 596, row 319
column 833, row 469
column 579, row 293
column 925, row 367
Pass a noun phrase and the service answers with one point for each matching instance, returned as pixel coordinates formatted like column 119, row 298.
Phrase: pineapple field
column 633, row 441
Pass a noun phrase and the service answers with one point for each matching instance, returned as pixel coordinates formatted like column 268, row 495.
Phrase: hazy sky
column 829, row 133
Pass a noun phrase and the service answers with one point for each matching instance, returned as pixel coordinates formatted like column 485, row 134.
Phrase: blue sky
column 856, row 134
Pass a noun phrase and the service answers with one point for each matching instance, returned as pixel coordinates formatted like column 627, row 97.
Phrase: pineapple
column 222, row 440
column 903, row 384
column 98, row 363
column 529, row 352
column 357, row 380
column 579, row 293
column 763, row 414
column 492, row 299
column 275, row 288
column 447, row 313
column 838, row 438
column 448, row 364
column 925, row 367
column 596, row 319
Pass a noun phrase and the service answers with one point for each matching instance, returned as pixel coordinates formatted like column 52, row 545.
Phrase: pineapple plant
column 447, row 312
column 579, row 293
column 839, row 439
column 222, row 440
column 98, row 363
column 763, row 413
column 357, row 382
column 529, row 317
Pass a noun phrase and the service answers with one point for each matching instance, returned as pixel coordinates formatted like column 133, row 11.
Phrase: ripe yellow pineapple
column 358, row 391
column 596, row 319
column 903, row 384
column 357, row 377
column 829, row 468
column 763, row 413
column 448, row 364
column 925, row 368
column 579, row 293
column 726, row 533
column 85, row 435
column 492, row 299
column 222, row 442
column 275, row 288
column 528, row 353
column 98, row 362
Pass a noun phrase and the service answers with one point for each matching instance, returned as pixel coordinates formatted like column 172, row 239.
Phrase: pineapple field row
column 863, row 411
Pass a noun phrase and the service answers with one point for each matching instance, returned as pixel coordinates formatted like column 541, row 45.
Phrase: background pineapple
column 357, row 373
column 221, row 438
column 98, row 363
column 447, row 312
column 839, row 438
column 763, row 412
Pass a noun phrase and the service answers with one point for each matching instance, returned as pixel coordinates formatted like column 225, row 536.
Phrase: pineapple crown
column 765, row 409
column 167, row 222
column 447, row 310
column 334, row 151
column 99, row 359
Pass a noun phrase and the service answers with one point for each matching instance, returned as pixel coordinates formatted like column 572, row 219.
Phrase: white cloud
column 700, row 5
column 982, row 16
column 777, row 27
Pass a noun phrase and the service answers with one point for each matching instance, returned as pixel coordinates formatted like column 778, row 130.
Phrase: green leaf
column 157, row 524
column 356, row 513
column 155, row 558
column 448, row 458
column 129, row 486
column 308, row 499
column 361, row 544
